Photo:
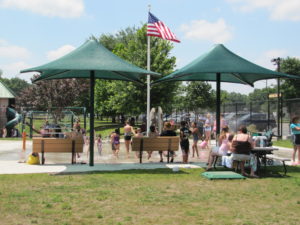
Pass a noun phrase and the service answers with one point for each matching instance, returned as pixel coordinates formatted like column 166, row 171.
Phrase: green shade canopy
column 90, row 56
column 233, row 69
column 93, row 61
column 221, row 65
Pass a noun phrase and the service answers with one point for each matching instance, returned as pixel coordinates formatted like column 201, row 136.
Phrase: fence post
column 236, row 114
column 250, row 106
column 31, row 124
column 268, row 126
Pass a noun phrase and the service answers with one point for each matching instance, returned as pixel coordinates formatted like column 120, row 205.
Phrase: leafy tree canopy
column 290, row 87
column 116, row 97
column 15, row 84
column 44, row 95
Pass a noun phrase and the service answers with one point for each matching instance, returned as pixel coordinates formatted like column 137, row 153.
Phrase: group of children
column 169, row 130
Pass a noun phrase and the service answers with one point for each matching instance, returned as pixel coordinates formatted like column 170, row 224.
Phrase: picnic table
column 261, row 155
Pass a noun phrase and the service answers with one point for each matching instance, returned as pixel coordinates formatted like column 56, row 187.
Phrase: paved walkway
column 10, row 154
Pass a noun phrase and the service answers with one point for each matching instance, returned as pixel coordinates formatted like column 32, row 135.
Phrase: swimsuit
column 127, row 136
column 195, row 137
column 116, row 140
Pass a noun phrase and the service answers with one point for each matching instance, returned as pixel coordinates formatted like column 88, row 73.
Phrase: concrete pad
column 13, row 167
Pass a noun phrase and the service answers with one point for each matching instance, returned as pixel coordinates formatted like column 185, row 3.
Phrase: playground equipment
column 55, row 119
column 13, row 118
column 156, row 118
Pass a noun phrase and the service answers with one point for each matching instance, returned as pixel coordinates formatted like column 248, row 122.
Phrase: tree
column 199, row 95
column 290, row 87
column 231, row 97
column 45, row 95
column 126, row 97
column 15, row 84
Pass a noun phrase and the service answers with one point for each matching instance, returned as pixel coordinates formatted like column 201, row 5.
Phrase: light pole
column 277, row 62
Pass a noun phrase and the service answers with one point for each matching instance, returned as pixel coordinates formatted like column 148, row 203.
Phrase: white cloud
column 217, row 32
column 8, row 50
column 13, row 70
column 51, row 8
column 265, row 58
column 278, row 9
column 55, row 54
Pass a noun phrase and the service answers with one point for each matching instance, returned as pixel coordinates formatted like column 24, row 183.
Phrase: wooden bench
column 166, row 143
column 283, row 160
column 57, row 145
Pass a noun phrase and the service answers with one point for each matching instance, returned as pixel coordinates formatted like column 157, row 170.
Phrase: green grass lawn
column 149, row 197
column 283, row 143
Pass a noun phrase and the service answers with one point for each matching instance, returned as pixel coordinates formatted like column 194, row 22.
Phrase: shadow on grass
column 278, row 172
column 108, row 126
column 127, row 171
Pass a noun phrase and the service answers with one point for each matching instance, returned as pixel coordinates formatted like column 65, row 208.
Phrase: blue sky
column 34, row 32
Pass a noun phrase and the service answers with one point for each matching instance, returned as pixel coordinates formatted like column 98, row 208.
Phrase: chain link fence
column 258, row 116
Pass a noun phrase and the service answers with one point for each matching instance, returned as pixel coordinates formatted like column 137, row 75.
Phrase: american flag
column 157, row 28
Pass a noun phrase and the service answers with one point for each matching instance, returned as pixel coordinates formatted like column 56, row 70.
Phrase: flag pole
column 148, row 81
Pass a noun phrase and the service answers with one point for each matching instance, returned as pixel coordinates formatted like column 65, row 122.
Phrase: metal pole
column 148, row 81
column 84, row 117
column 31, row 124
column 250, row 112
column 277, row 62
column 218, row 106
column 281, row 115
column 278, row 106
column 268, row 127
column 92, row 92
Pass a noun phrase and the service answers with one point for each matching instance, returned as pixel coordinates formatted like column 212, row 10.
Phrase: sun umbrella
column 93, row 61
column 221, row 65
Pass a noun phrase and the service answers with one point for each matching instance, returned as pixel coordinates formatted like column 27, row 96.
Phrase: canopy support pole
column 218, row 106
column 92, row 93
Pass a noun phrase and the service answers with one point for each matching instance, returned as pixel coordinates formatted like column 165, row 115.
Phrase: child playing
column 115, row 142
column 184, row 141
column 87, row 146
column 204, row 144
column 295, row 128
column 99, row 144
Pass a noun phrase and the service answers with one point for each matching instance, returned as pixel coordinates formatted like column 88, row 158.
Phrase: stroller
column 269, row 134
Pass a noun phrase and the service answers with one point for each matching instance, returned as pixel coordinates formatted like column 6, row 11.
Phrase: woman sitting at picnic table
column 241, row 148
column 224, row 142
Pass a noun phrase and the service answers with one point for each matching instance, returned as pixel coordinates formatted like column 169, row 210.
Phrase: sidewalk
column 60, row 163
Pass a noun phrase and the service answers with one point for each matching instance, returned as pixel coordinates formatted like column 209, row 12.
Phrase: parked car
column 260, row 120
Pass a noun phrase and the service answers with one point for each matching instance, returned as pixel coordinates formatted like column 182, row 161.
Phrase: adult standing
column 168, row 131
column 295, row 128
column 128, row 132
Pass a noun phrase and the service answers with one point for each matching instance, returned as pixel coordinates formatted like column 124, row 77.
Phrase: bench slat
column 156, row 144
column 56, row 145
